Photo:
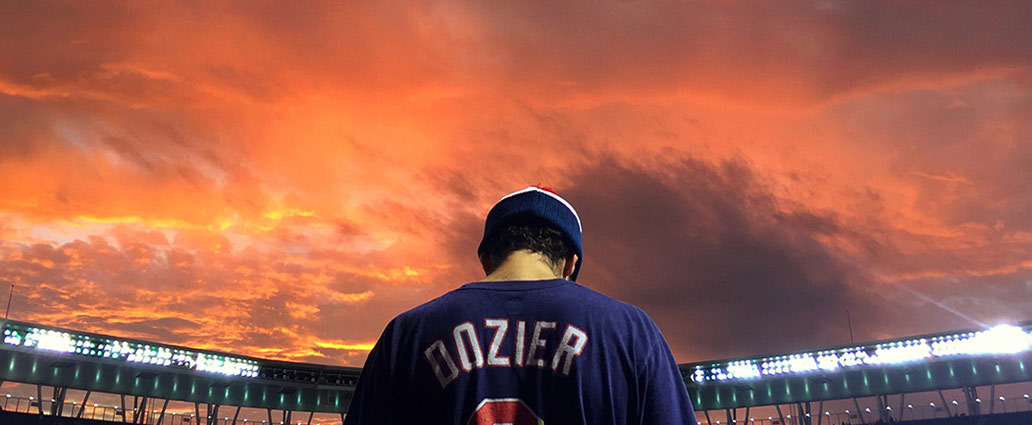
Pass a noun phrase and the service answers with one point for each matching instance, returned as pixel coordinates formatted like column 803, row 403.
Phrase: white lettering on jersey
column 568, row 349
column 536, row 342
column 474, row 345
column 537, row 351
column 435, row 364
column 502, row 327
column 521, row 328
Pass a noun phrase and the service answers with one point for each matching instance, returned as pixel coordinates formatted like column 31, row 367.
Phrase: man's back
column 522, row 352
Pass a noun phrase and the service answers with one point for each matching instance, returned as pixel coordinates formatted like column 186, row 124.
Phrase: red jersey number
column 504, row 411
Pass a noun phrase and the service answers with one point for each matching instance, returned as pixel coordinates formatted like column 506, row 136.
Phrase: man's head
column 534, row 219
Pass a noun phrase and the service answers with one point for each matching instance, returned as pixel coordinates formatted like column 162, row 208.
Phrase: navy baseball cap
column 538, row 202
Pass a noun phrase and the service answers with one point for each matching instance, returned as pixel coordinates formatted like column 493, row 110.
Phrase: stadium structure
column 146, row 376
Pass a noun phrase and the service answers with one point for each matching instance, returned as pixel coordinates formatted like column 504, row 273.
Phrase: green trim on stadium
column 863, row 381
column 278, row 385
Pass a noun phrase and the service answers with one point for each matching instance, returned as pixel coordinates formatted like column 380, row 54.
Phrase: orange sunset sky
column 280, row 179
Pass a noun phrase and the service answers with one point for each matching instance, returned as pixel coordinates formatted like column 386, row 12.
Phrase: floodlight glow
column 48, row 340
column 1002, row 339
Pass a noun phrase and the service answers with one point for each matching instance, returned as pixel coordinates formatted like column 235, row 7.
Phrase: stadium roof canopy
column 967, row 358
column 45, row 355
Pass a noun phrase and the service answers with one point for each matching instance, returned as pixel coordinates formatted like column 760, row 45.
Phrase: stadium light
column 1002, row 339
column 41, row 339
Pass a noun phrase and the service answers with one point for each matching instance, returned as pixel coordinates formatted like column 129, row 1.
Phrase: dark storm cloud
column 707, row 252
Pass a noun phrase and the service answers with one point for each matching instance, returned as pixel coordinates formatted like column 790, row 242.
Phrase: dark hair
column 528, row 233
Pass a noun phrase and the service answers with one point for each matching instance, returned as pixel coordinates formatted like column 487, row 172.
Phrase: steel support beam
column 161, row 417
column 83, row 407
column 902, row 404
column 139, row 411
column 123, row 406
column 708, row 420
column 992, row 398
column 859, row 413
column 820, row 413
column 310, row 415
column 55, row 402
column 780, row 416
column 197, row 412
column 970, row 395
column 945, row 405
column 236, row 415
column 888, row 410
column 39, row 398
column 729, row 419
column 269, row 411
column 744, row 418
column 55, row 396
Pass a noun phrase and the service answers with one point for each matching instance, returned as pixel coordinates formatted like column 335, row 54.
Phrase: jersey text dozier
column 533, row 351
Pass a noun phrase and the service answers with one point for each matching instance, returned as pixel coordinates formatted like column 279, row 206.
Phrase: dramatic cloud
column 280, row 180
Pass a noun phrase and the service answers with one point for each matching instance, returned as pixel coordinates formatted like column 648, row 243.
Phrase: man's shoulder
column 583, row 298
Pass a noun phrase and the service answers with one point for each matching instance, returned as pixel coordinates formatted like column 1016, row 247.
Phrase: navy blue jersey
column 525, row 353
